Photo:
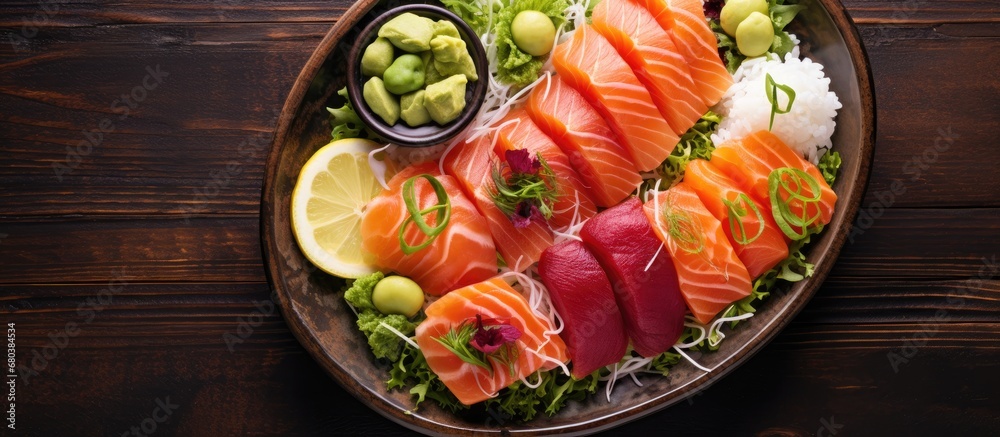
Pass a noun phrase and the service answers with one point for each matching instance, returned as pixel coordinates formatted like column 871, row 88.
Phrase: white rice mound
column 745, row 108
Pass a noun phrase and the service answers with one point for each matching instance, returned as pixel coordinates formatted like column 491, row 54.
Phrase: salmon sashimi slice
column 642, row 275
column 536, row 348
column 470, row 164
column 751, row 160
column 582, row 295
column 747, row 223
column 585, row 138
column 462, row 254
column 517, row 131
column 654, row 59
column 590, row 64
column 710, row 275
column 685, row 21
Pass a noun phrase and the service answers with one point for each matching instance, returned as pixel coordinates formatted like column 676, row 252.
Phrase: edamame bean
column 404, row 75
column 533, row 32
column 735, row 11
column 755, row 35
column 398, row 295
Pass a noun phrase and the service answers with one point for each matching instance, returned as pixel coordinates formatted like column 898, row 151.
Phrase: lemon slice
column 328, row 201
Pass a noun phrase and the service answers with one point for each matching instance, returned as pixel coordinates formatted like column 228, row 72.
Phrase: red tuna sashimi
column 462, row 254
column 584, row 136
column 751, row 160
column 748, row 224
column 590, row 64
column 685, row 21
column 647, row 292
column 517, row 131
column 653, row 57
column 582, row 295
column 711, row 276
column 470, row 164
column 537, row 347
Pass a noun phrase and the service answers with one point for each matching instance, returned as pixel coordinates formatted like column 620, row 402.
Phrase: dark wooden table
column 132, row 146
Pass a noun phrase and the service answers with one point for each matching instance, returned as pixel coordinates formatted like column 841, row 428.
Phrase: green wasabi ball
column 413, row 111
column 465, row 66
column 446, row 28
column 445, row 100
column 533, row 32
column 735, row 11
column 755, row 35
column 448, row 49
column 404, row 75
column 431, row 74
column 378, row 56
column 409, row 32
column 380, row 101
column 398, row 295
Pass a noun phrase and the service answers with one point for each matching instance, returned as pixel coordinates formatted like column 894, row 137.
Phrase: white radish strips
column 399, row 334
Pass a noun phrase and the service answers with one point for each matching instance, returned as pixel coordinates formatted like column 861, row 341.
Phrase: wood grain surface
column 147, row 242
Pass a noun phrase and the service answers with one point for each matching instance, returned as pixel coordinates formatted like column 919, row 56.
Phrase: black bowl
column 432, row 133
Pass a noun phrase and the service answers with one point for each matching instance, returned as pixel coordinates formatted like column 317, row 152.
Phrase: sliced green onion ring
column 771, row 90
column 442, row 208
column 736, row 212
column 781, row 208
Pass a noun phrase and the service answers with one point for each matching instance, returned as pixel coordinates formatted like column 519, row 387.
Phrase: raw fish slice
column 642, row 276
column 647, row 48
column 685, row 21
column 592, row 323
column 517, row 131
column 751, row 160
column 590, row 64
column 711, row 276
column 585, row 138
column 462, row 254
column 760, row 245
column 537, row 347
column 519, row 247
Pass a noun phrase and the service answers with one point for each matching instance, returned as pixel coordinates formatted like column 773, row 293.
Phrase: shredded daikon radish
column 716, row 327
column 681, row 351
column 399, row 334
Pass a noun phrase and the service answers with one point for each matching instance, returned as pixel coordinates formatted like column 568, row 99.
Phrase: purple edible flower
column 526, row 213
column 488, row 339
column 520, row 161
column 713, row 9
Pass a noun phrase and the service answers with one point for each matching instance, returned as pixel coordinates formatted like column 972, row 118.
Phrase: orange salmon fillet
column 517, row 131
column 751, row 160
column 658, row 64
column 710, row 274
column 766, row 245
column 462, row 254
column 470, row 164
column 586, row 139
column 537, row 347
column 685, row 21
column 591, row 65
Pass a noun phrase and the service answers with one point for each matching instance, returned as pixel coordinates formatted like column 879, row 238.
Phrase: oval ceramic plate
column 312, row 305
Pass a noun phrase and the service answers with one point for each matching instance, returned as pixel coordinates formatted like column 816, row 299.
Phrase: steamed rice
column 809, row 125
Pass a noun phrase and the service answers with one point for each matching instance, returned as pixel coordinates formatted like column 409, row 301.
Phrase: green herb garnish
column 442, row 208
column 771, row 89
column 684, row 231
column 528, row 191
